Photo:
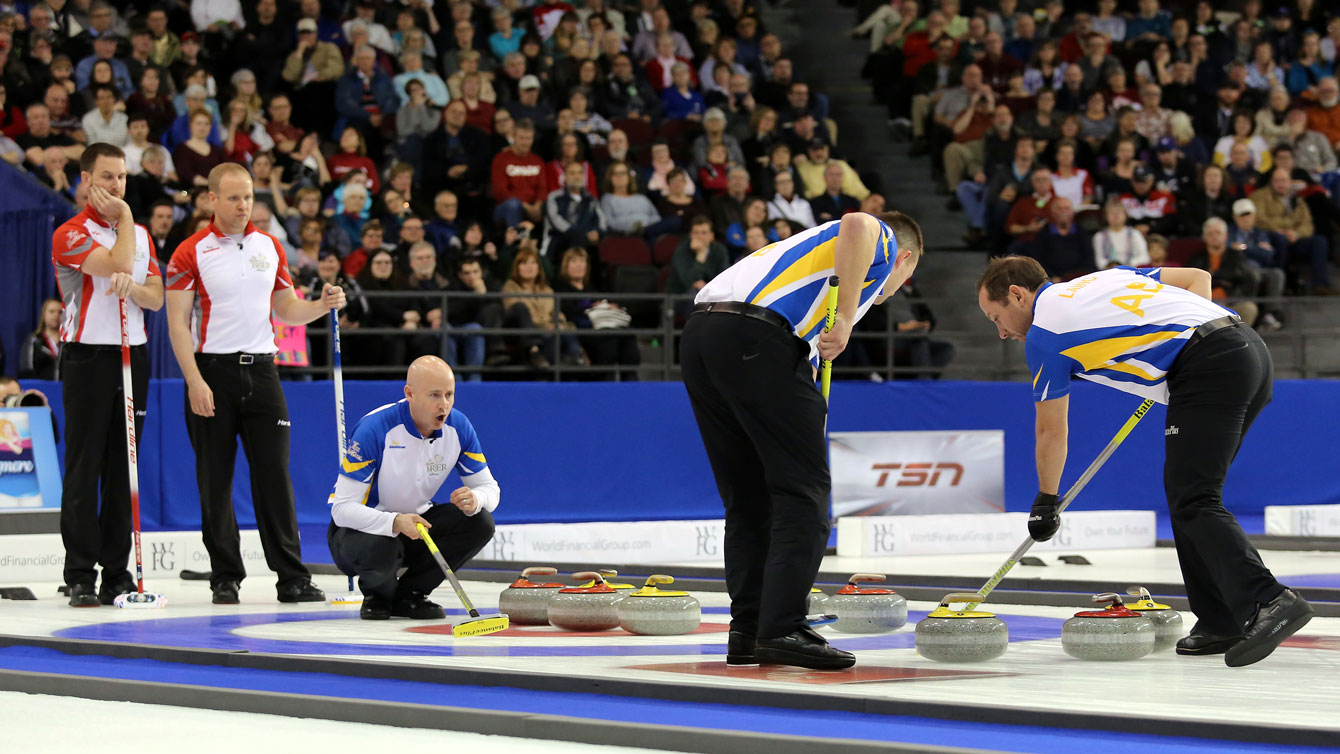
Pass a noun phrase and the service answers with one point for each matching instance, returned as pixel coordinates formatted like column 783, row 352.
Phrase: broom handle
column 132, row 459
column 442, row 563
column 826, row 366
column 1070, row 494
column 337, row 374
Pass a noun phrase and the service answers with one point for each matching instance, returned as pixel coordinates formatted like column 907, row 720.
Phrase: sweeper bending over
column 397, row 460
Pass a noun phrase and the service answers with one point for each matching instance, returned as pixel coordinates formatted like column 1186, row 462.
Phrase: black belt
column 1213, row 326
column 243, row 359
column 76, row 346
column 747, row 310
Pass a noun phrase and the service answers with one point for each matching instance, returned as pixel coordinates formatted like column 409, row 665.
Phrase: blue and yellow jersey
column 1120, row 327
column 790, row 277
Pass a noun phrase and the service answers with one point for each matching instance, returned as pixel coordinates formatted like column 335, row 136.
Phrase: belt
column 747, row 310
column 244, row 359
column 97, row 347
column 1213, row 326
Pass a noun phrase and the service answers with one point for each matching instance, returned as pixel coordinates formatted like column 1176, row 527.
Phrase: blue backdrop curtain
column 29, row 214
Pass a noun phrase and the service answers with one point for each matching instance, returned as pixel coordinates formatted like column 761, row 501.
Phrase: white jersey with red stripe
column 90, row 315
column 234, row 281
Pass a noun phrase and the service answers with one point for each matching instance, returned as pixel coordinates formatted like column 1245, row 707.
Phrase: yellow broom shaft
column 826, row 366
column 442, row 563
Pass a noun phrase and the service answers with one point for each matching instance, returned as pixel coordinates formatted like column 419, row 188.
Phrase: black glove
column 1044, row 519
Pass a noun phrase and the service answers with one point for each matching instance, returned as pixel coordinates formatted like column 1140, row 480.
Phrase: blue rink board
column 847, row 725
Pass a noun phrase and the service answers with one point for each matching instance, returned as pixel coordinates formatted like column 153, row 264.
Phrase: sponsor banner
column 904, row 473
column 29, row 471
column 884, row 536
column 41, row 557
column 1303, row 520
column 615, row 541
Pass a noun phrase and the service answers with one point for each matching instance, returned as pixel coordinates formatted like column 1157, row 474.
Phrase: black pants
column 95, row 459
column 248, row 402
column 374, row 559
column 762, row 422
column 1216, row 389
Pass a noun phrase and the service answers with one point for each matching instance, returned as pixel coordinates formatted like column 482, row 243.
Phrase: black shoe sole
column 378, row 616
column 1247, row 652
column 741, row 661
column 1213, row 648
column 768, row 656
column 90, row 602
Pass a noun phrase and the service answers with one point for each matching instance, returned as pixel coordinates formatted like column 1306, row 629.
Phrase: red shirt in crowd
column 1026, row 209
column 519, row 177
column 355, row 262
column 553, row 178
column 340, row 164
column 480, row 116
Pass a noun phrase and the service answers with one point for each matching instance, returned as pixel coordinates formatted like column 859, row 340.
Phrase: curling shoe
column 83, row 595
column 300, row 591
column 803, row 648
column 1274, row 622
column 416, row 605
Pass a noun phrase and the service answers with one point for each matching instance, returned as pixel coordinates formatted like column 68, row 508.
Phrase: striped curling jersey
column 790, row 277
column 1119, row 327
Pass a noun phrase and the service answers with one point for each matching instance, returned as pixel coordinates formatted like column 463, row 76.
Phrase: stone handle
column 857, row 577
column 1141, row 592
column 1111, row 597
column 608, row 572
column 588, row 576
column 538, row 571
column 964, row 597
column 659, row 578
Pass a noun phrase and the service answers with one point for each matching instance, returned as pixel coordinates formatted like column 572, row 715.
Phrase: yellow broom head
column 140, row 600
column 352, row 598
column 484, row 624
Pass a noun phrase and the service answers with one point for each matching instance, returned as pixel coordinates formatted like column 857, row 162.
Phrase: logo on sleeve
column 73, row 237
column 353, row 451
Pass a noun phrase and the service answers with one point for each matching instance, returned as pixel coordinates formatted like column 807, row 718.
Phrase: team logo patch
column 260, row 263
column 353, row 451
column 73, row 237
column 437, row 466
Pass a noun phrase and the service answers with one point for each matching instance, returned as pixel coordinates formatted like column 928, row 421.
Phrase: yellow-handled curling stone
column 1167, row 622
column 656, row 612
column 818, row 601
column 525, row 601
column 867, row 610
column 948, row 635
column 1114, row 633
column 589, row 607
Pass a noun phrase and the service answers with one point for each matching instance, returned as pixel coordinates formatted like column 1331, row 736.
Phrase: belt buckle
column 246, row 359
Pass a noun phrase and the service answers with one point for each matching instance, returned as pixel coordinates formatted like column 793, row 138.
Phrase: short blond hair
column 224, row 170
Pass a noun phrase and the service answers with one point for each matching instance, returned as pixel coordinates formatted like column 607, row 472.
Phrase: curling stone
column 947, row 635
column 818, row 601
column 608, row 574
column 652, row 612
column 591, row 607
column 867, row 610
column 1167, row 621
column 1114, row 633
column 526, row 602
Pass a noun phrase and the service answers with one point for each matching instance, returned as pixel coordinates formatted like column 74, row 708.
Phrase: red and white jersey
column 90, row 315
column 233, row 283
column 1157, row 204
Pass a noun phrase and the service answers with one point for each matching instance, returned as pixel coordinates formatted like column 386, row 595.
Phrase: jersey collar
column 1044, row 287
column 93, row 215
column 216, row 231
column 408, row 421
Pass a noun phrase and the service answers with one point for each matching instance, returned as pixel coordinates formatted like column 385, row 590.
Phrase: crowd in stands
column 1128, row 132
column 494, row 146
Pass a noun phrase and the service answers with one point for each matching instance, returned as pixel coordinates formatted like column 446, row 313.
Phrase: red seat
column 640, row 132
column 1181, row 250
column 617, row 251
column 664, row 250
column 680, row 132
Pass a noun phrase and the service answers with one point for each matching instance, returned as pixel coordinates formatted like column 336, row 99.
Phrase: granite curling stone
column 1114, row 633
column 818, row 601
column 653, row 612
column 867, row 610
column 586, row 608
column 947, row 635
column 526, row 602
column 1167, row 622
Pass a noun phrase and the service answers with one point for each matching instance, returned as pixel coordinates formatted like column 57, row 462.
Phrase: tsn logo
column 918, row 474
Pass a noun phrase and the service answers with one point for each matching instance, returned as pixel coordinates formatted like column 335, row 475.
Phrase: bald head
column 430, row 388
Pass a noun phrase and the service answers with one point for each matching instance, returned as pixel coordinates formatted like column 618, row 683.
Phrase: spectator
column 1148, row 26
column 1024, row 41
column 1042, row 124
column 152, row 183
column 365, row 96
column 1324, row 117
column 105, row 123
column 996, row 193
column 1149, row 209
column 1310, row 148
column 714, row 132
column 529, row 106
column 196, row 156
column 1271, row 123
column 1108, row 23
column 1217, row 118
column 661, row 164
column 1072, row 97
column 679, row 101
column 459, row 155
column 1262, row 73
column 518, row 179
column 1119, row 243
column 832, row 204
column 763, row 135
column 1244, row 132
column 569, row 150
column 1259, row 249
column 1242, row 175
column 435, row 89
column 1307, row 71
column 63, row 118
column 1230, row 277
column 999, row 140
column 592, row 126
column 152, row 103
column 306, row 256
column 1172, row 174
column 697, row 259
column 415, row 121
column 789, row 205
column 1045, row 70
column 1120, row 176
column 1073, row 183
column 285, row 135
column 997, row 65
column 1096, row 63
column 423, row 276
column 1152, row 122
column 442, row 229
column 244, row 137
column 728, row 208
column 41, row 351
column 506, row 38
column 160, row 228
column 1030, row 212
column 1213, row 199
column 1061, row 247
column 659, row 69
column 469, row 63
column 479, row 112
column 1096, row 124
column 104, row 49
column 1125, row 130
column 625, row 210
column 755, row 215
column 1280, row 210
column 624, row 95
column 196, row 100
column 1181, row 93
column 1188, row 143
column 588, row 313
column 312, row 60
column 352, row 217
column 468, row 310
column 967, row 113
column 677, row 204
column 932, row 81
column 647, row 43
column 380, row 276
column 538, row 312
column 572, row 213
column 353, row 155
